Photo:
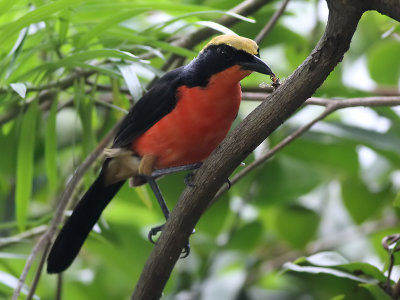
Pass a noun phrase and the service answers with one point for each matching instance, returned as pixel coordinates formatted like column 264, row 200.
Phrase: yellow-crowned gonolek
column 178, row 122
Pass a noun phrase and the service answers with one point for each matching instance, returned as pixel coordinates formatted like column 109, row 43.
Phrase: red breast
column 199, row 122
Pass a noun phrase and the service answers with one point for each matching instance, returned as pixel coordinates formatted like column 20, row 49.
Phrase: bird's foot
column 188, row 180
column 185, row 251
column 155, row 230
column 229, row 183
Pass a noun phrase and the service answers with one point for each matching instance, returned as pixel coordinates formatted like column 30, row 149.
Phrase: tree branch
column 331, row 106
column 46, row 93
column 245, row 8
column 271, row 23
column 390, row 8
column 342, row 23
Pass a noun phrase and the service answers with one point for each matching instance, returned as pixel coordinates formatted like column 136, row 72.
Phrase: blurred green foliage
column 332, row 189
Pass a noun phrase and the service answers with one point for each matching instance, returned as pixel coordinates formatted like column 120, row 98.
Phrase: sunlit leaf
column 324, row 270
column 131, row 81
column 19, row 88
column 216, row 26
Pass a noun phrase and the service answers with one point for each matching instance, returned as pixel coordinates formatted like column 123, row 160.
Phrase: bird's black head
column 221, row 53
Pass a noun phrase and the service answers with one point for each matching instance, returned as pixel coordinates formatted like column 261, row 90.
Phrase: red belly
column 195, row 127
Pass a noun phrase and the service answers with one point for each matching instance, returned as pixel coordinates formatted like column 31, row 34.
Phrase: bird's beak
column 256, row 65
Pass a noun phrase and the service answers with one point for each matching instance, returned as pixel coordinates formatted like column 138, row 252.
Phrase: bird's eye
column 226, row 53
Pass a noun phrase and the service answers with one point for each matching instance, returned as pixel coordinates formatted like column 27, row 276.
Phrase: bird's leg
column 161, row 172
column 153, row 231
column 146, row 166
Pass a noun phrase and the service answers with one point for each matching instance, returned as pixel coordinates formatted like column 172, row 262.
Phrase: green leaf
column 214, row 218
column 77, row 60
column 85, row 110
column 131, row 81
column 216, row 26
column 327, row 259
column 322, row 153
column 64, row 20
column 360, row 202
column 247, row 236
column 297, row 225
column 339, row 297
column 6, row 6
column 288, row 174
column 144, row 196
column 107, row 23
column 385, row 144
column 381, row 61
column 207, row 13
column 376, row 291
column 97, row 53
column 396, row 201
column 51, row 147
column 34, row 16
column 24, row 177
column 322, row 270
column 338, row 262
column 19, row 88
column 133, row 37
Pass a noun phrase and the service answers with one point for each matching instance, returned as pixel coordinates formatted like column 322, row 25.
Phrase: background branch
column 62, row 203
column 271, row 23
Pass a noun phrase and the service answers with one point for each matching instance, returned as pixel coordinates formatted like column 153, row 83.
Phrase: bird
column 181, row 119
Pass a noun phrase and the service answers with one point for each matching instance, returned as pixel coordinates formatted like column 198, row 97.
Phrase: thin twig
column 59, row 286
column 271, row 23
column 331, row 106
column 39, row 245
column 6, row 241
column 38, row 273
column 244, row 8
column 290, row 138
column 46, row 93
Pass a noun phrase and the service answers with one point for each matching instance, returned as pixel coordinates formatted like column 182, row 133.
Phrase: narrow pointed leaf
column 51, row 147
column 26, row 147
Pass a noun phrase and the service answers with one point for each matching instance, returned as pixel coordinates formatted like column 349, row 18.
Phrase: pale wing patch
column 123, row 165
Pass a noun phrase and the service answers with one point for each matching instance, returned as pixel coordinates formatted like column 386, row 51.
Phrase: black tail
column 75, row 231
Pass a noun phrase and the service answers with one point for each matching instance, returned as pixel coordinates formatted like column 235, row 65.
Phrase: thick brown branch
column 342, row 23
column 390, row 8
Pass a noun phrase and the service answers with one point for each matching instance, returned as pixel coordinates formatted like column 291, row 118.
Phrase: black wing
column 154, row 105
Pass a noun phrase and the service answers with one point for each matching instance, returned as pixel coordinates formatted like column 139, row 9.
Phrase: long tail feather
column 75, row 231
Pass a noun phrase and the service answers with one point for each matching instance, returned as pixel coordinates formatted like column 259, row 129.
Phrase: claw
column 229, row 183
column 153, row 231
column 188, row 180
column 185, row 251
